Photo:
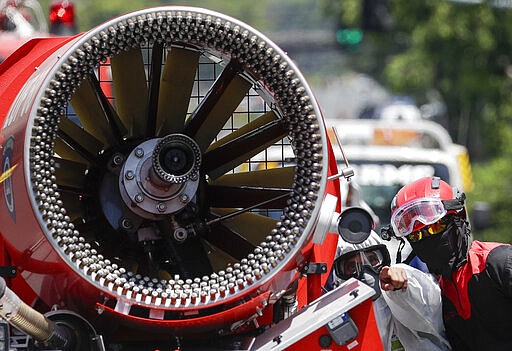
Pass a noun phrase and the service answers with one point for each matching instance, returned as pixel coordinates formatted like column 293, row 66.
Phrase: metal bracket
column 347, row 172
column 8, row 271
column 314, row 268
column 277, row 339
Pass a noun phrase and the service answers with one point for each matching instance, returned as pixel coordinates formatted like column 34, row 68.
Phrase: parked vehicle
column 387, row 154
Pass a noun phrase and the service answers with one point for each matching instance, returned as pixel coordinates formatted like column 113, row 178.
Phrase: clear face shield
column 354, row 263
column 363, row 264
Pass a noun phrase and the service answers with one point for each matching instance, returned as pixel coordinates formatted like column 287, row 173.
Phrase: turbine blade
column 76, row 144
column 154, row 88
column 271, row 178
column 95, row 112
column 69, row 173
column 130, row 89
column 220, row 159
column 175, row 89
column 230, row 242
column 243, row 197
column 251, row 226
column 215, row 109
column 219, row 259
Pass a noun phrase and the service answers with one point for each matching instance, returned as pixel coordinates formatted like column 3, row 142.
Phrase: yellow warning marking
column 465, row 168
column 7, row 173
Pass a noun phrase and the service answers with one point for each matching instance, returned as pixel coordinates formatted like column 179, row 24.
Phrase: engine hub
column 160, row 176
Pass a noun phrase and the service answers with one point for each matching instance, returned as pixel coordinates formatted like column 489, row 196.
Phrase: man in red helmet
column 475, row 277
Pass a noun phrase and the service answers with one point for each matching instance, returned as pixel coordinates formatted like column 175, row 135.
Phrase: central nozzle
column 160, row 176
column 176, row 159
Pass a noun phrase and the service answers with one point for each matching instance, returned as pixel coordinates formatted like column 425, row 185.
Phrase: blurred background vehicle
column 22, row 20
column 397, row 108
column 62, row 17
column 387, row 154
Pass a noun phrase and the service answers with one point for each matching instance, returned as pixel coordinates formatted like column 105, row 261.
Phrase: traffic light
column 375, row 17
column 349, row 38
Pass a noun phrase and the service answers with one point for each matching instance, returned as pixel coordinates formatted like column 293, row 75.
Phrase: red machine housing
column 134, row 186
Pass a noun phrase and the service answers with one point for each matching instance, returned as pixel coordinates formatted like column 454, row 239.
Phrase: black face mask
column 437, row 253
column 445, row 252
column 371, row 278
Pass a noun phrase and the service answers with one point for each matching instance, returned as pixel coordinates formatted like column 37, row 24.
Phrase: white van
column 386, row 155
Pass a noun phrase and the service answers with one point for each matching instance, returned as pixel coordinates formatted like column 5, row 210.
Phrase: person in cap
column 409, row 315
column 475, row 277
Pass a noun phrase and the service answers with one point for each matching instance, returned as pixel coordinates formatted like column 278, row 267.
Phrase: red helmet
column 423, row 202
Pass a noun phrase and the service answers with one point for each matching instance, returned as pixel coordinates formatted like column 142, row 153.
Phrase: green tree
column 463, row 51
column 494, row 185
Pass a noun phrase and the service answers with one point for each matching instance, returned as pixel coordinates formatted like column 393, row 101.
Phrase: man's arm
column 393, row 278
column 413, row 296
column 499, row 266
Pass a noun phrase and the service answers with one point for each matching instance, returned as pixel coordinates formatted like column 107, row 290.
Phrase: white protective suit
column 414, row 316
